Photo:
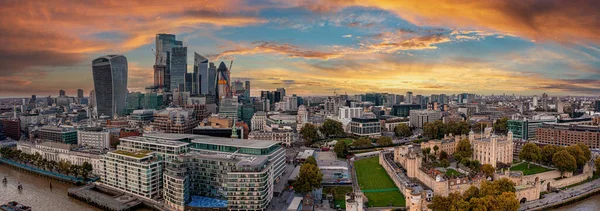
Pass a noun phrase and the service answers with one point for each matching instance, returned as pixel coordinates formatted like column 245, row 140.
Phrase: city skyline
column 314, row 47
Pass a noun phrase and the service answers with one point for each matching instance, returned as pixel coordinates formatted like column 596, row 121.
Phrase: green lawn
column 452, row 172
column 348, row 141
column 533, row 169
column 339, row 194
column 372, row 176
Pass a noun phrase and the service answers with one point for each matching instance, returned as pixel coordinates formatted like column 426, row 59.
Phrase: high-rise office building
column 61, row 92
column 164, row 49
column 224, row 81
column 535, row 101
column 189, row 83
column 178, row 68
column 212, row 79
column 597, row 105
column 409, row 98
column 545, row 102
column 201, row 70
column 247, row 90
column 92, row 98
column 282, row 91
column 110, row 83
column 79, row 93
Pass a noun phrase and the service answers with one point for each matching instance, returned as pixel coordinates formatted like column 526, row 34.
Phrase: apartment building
column 566, row 134
column 138, row 172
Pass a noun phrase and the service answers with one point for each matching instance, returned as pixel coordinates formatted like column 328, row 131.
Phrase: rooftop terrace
column 137, row 154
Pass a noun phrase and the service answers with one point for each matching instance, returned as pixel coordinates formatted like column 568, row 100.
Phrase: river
column 589, row 204
column 37, row 193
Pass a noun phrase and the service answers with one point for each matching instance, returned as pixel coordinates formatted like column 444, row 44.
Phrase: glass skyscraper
column 178, row 68
column 201, row 67
column 164, row 49
column 110, row 83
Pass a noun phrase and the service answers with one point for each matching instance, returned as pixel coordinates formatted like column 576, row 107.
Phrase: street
column 551, row 198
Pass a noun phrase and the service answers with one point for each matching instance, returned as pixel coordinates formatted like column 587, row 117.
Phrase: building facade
column 110, row 84
column 58, row 134
column 258, row 121
column 364, row 126
column 94, row 137
column 138, row 173
column 175, row 120
column 491, row 149
column 419, row 117
column 566, row 134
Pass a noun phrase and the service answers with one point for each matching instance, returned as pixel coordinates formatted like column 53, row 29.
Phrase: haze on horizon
column 312, row 47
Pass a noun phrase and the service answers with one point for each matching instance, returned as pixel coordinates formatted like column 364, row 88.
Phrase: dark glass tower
column 110, row 84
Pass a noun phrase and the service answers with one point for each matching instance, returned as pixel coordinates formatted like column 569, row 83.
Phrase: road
column 551, row 198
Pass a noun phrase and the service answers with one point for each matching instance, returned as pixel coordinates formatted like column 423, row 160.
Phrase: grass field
column 533, row 169
column 372, row 176
column 339, row 194
column 452, row 172
column 348, row 141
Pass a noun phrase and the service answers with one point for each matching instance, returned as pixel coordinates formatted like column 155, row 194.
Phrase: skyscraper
column 281, row 91
column 409, row 98
column 247, row 90
column 110, row 83
column 224, row 81
column 61, row 92
column 79, row 93
column 212, row 79
column 545, row 102
column 164, row 48
column 178, row 68
column 201, row 70
column 92, row 98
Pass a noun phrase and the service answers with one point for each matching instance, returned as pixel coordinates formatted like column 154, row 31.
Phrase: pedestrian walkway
column 44, row 172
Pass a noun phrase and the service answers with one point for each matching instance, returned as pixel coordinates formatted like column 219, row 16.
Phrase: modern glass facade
column 201, row 68
column 178, row 68
column 110, row 84
column 164, row 49
column 403, row 110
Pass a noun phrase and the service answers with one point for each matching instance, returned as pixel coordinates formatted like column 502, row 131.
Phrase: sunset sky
column 312, row 47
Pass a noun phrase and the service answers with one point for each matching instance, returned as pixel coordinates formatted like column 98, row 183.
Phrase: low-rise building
column 419, row 117
column 491, row 149
column 283, row 135
column 175, row 120
column 365, row 126
column 95, row 137
column 53, row 151
column 566, row 134
column 58, row 134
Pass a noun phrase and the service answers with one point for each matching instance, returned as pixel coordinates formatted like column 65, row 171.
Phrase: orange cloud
column 292, row 51
column 562, row 21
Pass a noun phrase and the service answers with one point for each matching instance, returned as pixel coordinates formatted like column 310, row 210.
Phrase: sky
column 313, row 47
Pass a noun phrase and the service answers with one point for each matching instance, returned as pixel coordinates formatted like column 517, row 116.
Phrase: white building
column 54, row 151
column 419, row 117
column 258, row 121
column 301, row 117
column 365, row 126
column 94, row 137
column 349, row 113
column 283, row 135
column 138, row 173
column 167, row 145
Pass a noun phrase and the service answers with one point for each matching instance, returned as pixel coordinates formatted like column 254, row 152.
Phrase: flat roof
column 157, row 141
column 137, row 154
column 171, row 136
column 260, row 144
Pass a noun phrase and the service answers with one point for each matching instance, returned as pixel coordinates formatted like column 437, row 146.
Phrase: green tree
column 577, row 154
column 86, row 170
column 311, row 160
column 498, row 195
column 463, row 149
column 507, row 201
column 445, row 163
column 597, row 163
column 443, row 155
column 362, row 142
column 309, row 133
column 332, row 128
column 530, row 153
column 479, row 126
column 564, row 161
column 488, row 170
column 435, row 149
column 402, row 130
column 341, row 149
column 501, row 125
column 547, row 152
column 587, row 153
column 384, row 141
column 74, row 169
column 309, row 178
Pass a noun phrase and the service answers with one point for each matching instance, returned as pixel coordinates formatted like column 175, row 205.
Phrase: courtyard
column 533, row 169
column 377, row 186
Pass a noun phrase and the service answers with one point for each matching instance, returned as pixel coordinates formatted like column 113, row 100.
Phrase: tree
column 497, row 195
column 443, row 155
column 435, row 149
column 362, row 143
column 587, row 153
column 507, row 201
column 479, row 126
column 402, row 130
column 86, row 169
column 309, row 133
column 74, row 169
column 501, row 125
column 530, row 153
column 445, row 163
column 341, row 149
column 547, row 152
column 577, row 154
column 497, row 187
column 311, row 160
column 309, row 178
column 488, row 170
column 384, row 141
column 597, row 163
column 564, row 161
column 463, row 149
column 332, row 128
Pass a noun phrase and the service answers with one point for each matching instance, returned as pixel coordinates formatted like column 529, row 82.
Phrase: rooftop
column 157, row 141
column 245, row 143
column 137, row 154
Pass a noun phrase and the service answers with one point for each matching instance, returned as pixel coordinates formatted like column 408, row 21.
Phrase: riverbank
column 41, row 172
column 564, row 197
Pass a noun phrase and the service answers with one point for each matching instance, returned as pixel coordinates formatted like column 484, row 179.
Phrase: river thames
column 38, row 195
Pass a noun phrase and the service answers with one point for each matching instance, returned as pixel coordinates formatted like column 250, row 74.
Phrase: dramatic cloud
column 292, row 51
column 562, row 21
